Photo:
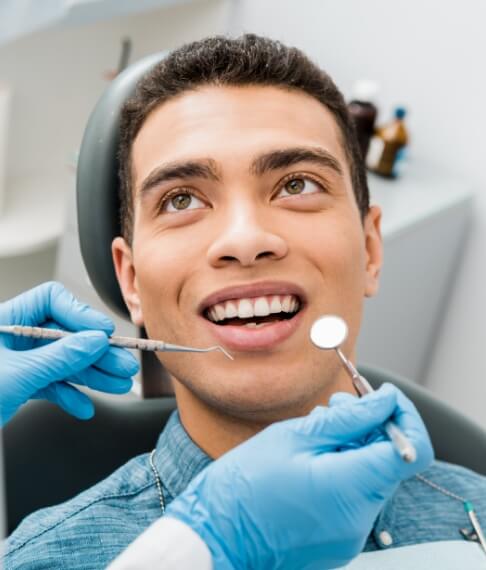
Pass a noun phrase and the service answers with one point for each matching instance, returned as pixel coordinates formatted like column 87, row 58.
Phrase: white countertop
column 422, row 192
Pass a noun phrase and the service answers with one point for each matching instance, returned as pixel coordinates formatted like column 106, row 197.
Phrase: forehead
column 231, row 124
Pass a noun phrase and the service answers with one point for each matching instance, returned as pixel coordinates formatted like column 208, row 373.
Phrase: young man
column 245, row 217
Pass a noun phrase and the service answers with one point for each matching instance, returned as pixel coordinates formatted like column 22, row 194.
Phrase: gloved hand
column 295, row 496
column 35, row 368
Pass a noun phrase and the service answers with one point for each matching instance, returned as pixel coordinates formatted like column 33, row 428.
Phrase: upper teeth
column 255, row 307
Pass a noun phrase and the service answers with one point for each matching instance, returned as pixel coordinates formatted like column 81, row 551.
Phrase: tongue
column 240, row 322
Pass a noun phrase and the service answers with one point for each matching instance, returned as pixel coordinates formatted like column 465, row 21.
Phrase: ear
column 374, row 250
column 127, row 279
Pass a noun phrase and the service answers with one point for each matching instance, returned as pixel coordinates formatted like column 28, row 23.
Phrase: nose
column 245, row 237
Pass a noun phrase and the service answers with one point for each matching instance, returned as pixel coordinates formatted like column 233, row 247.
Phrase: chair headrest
column 97, row 183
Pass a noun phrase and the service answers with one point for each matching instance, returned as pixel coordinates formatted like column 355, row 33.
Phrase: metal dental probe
column 329, row 332
column 122, row 341
column 399, row 439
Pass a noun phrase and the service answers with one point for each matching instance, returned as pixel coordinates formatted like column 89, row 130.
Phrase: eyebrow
column 284, row 158
column 178, row 170
column 272, row 160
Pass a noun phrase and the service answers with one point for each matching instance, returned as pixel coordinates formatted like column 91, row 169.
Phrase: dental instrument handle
column 401, row 442
column 33, row 332
column 121, row 341
column 475, row 523
column 398, row 438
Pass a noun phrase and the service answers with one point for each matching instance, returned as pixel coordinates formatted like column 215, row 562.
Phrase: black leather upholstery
column 97, row 183
column 51, row 456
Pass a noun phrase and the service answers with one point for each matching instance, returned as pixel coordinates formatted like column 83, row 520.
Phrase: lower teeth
column 256, row 325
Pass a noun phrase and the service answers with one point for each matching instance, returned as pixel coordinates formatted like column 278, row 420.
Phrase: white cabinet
column 30, row 226
column 426, row 215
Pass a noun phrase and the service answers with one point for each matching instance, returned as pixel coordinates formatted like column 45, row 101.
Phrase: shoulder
column 89, row 530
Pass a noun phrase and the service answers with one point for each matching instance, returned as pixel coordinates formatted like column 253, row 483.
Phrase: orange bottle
column 387, row 147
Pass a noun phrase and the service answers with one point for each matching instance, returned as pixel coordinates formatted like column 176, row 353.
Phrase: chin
column 256, row 403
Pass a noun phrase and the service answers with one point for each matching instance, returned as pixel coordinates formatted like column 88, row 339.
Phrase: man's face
column 244, row 186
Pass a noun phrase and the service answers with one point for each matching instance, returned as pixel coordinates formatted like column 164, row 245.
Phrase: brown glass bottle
column 363, row 112
column 387, row 147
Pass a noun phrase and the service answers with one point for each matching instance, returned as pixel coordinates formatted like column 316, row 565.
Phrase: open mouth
column 255, row 322
column 254, row 312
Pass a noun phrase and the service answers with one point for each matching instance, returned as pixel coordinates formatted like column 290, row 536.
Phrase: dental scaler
column 122, row 341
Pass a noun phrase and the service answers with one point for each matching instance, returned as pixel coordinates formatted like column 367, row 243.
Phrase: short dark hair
column 247, row 60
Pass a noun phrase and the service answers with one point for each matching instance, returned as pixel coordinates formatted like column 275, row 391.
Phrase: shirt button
column 385, row 538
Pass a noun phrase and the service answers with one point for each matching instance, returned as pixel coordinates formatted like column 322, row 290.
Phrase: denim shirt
column 90, row 530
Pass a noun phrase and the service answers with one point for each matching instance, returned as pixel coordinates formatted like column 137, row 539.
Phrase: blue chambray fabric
column 90, row 530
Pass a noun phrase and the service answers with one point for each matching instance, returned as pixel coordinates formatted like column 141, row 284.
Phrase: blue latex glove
column 292, row 497
column 34, row 368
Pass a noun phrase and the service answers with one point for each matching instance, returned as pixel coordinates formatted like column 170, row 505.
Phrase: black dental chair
column 50, row 456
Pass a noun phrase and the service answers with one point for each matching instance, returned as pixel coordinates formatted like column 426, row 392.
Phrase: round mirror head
column 329, row 332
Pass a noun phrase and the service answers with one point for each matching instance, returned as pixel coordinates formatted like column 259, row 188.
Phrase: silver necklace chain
column 477, row 534
column 472, row 516
column 440, row 489
column 158, row 481
column 435, row 486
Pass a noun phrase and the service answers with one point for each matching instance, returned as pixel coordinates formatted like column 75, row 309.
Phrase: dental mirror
column 329, row 332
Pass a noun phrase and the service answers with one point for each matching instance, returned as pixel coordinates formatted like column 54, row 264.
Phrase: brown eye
column 300, row 186
column 181, row 201
column 295, row 186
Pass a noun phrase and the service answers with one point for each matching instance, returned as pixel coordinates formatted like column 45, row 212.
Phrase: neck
column 216, row 431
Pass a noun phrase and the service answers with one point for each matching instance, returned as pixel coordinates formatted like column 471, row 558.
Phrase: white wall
column 57, row 75
column 428, row 56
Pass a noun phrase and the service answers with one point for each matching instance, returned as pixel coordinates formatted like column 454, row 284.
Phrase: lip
column 253, row 290
column 241, row 338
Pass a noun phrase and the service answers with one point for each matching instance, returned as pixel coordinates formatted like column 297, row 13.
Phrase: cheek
column 337, row 250
column 159, row 271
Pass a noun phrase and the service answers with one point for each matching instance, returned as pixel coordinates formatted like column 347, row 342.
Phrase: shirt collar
column 177, row 458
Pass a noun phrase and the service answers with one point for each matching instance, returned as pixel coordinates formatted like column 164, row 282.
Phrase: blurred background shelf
column 34, row 216
column 31, row 227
